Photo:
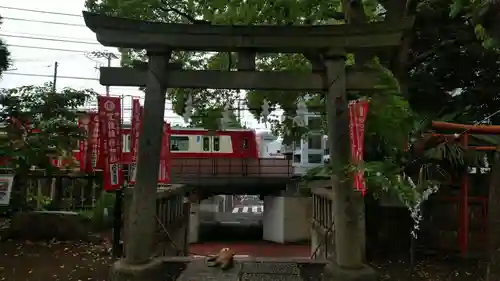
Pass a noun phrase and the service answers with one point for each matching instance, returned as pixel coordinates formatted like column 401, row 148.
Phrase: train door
column 211, row 144
column 245, row 154
column 206, row 144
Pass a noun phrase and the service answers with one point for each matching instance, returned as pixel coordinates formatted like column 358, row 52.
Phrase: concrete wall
column 296, row 220
column 286, row 219
column 273, row 219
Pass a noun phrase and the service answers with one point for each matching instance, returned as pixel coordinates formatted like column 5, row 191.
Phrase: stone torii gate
column 325, row 46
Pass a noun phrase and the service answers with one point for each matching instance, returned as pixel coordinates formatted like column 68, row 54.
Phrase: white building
column 269, row 146
column 310, row 151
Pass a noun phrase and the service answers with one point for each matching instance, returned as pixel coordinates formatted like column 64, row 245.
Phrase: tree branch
column 190, row 18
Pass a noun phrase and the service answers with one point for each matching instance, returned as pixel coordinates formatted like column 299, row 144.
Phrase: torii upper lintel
column 131, row 33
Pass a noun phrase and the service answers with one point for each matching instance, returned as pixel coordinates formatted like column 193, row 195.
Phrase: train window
column 206, row 143
column 216, row 144
column 179, row 143
column 245, row 144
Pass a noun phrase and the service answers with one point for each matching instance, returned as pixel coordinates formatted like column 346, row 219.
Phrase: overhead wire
column 47, row 75
column 40, row 11
column 44, row 59
column 52, row 49
column 50, row 39
column 17, row 33
column 46, row 22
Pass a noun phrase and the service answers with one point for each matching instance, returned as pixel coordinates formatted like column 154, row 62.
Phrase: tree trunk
column 493, row 269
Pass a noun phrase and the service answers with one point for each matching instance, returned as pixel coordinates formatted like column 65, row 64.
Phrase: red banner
column 88, row 123
column 357, row 119
column 110, row 141
column 134, row 137
column 95, row 158
column 165, row 145
column 57, row 162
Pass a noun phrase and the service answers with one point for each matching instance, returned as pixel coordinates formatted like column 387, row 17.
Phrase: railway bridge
column 177, row 218
column 285, row 217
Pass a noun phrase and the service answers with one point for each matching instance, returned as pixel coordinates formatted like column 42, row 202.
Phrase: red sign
column 95, row 158
column 134, row 137
column 57, row 162
column 110, row 141
column 163, row 175
column 89, row 123
column 357, row 118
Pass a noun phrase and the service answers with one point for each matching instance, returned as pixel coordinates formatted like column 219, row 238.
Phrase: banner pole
column 118, row 223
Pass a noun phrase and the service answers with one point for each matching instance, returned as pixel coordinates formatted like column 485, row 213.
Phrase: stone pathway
column 255, row 269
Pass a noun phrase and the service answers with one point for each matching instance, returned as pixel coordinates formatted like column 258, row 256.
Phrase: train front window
column 245, row 144
column 179, row 143
column 206, row 143
column 216, row 144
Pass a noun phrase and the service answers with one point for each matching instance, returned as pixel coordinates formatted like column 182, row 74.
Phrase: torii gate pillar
column 346, row 264
column 142, row 216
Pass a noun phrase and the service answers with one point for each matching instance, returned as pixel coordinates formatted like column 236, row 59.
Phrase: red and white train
column 197, row 143
column 202, row 143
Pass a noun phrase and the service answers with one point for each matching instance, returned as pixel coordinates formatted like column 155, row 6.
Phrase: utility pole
column 239, row 110
column 110, row 56
column 103, row 55
column 54, row 79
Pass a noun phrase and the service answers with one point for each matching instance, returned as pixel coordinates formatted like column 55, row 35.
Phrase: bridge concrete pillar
column 194, row 223
column 286, row 219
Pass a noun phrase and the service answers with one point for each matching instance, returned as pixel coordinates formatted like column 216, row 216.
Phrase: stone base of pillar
column 334, row 272
column 159, row 269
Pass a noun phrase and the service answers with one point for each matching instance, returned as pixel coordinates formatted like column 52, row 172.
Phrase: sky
column 61, row 24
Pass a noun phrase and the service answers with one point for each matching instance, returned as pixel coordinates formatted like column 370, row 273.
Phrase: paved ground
column 262, row 270
column 255, row 248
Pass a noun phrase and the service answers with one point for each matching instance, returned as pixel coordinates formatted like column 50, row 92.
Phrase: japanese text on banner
column 89, row 124
column 95, row 158
column 110, row 141
column 83, row 123
column 163, row 172
column 357, row 119
column 134, row 139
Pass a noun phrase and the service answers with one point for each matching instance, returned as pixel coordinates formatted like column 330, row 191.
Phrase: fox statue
column 224, row 259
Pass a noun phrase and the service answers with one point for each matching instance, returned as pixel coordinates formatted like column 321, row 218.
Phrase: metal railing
column 322, row 219
column 230, row 168
column 59, row 191
column 172, row 219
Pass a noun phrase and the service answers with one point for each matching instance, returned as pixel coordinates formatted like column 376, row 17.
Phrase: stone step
column 255, row 269
column 199, row 270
